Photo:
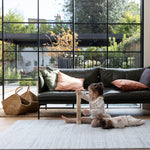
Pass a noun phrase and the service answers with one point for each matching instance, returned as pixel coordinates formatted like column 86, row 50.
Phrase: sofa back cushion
column 91, row 75
column 145, row 77
column 108, row 75
column 134, row 74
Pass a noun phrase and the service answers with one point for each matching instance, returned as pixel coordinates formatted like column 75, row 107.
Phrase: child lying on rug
column 120, row 122
column 96, row 102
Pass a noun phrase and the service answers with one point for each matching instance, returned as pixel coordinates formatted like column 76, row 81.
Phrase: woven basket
column 15, row 104
column 31, row 98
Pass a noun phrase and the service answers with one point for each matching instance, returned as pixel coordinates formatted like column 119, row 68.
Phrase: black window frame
column 73, row 23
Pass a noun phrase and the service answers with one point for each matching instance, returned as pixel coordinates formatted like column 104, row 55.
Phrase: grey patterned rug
column 55, row 134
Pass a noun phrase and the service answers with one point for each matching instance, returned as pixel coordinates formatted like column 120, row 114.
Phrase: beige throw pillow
column 66, row 83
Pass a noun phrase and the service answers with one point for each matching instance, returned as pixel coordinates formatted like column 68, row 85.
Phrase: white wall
column 146, row 39
column 146, row 33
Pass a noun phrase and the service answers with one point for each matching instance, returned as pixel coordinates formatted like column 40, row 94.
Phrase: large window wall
column 67, row 34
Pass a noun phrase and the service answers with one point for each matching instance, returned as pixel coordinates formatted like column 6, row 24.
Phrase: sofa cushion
column 91, row 75
column 107, row 75
column 66, row 83
column 128, row 85
column 111, row 96
column 58, row 97
column 50, row 77
column 115, row 96
column 145, row 77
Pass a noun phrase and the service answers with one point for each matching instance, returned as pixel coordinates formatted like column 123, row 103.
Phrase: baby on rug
column 120, row 122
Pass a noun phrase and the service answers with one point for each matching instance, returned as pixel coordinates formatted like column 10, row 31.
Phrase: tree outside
column 61, row 45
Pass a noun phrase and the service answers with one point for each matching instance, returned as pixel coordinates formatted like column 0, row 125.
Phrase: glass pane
column 124, row 60
column 0, row 55
column 21, row 65
column 20, row 10
column 124, row 11
column 10, row 88
column 87, row 11
column 55, row 10
column 124, row 38
column 56, row 60
column 91, row 35
column 18, row 36
column 85, row 59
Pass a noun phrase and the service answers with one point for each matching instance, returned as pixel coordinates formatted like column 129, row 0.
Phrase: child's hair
column 106, row 123
column 97, row 87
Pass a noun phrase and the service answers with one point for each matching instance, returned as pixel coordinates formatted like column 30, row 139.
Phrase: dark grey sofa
column 112, row 95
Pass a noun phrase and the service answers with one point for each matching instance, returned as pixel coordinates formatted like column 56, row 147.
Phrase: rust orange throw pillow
column 128, row 85
column 66, row 83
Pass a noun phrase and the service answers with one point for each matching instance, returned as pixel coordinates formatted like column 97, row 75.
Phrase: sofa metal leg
column 107, row 105
column 45, row 106
column 72, row 106
column 140, row 105
column 39, row 112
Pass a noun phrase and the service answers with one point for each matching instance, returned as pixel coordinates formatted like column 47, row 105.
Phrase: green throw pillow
column 50, row 78
column 50, row 69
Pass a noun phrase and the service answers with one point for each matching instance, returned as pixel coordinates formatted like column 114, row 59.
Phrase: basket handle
column 28, row 89
column 18, row 89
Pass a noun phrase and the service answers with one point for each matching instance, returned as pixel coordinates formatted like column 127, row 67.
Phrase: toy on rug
column 78, row 103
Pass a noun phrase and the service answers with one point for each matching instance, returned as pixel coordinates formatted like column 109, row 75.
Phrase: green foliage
column 129, row 63
column 131, row 40
column 87, row 11
column 44, row 28
column 116, row 56
column 58, row 28
column 119, row 59
column 26, row 83
column 90, row 55
column 7, row 55
column 30, row 28
column 13, row 16
column 123, row 45
column 12, row 73
column 129, row 30
column 91, row 63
